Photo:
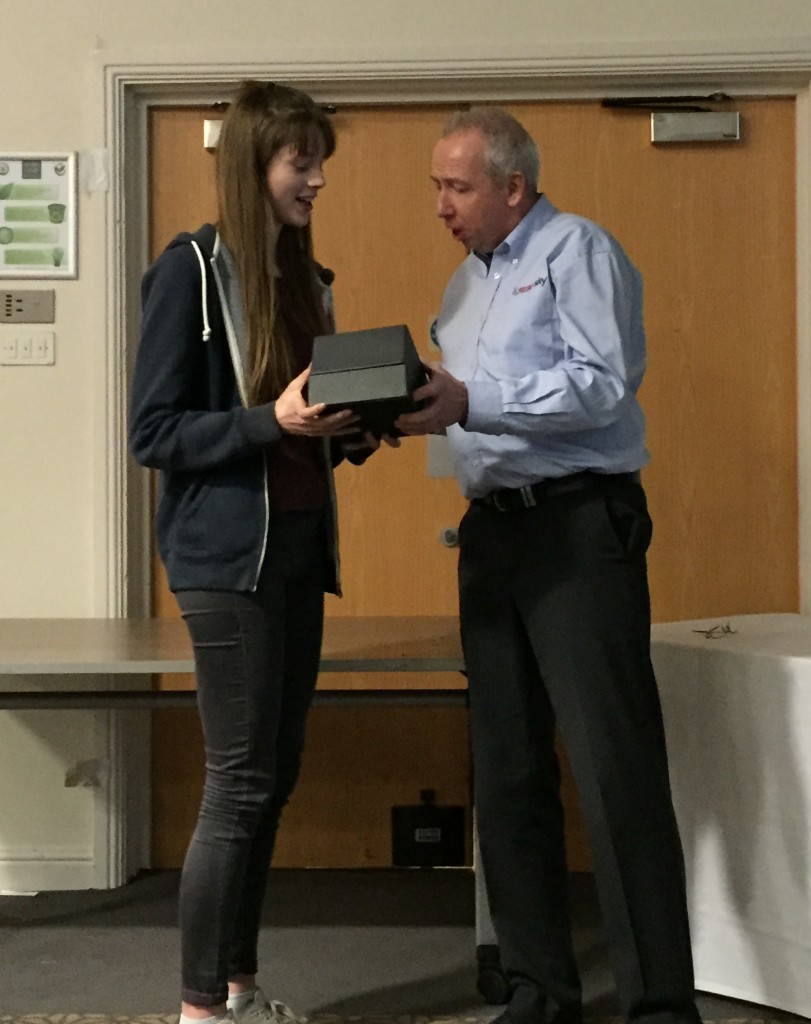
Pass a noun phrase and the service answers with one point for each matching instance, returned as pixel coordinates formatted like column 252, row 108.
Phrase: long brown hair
column 262, row 119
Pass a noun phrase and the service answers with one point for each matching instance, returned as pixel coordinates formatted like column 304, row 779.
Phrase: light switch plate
column 27, row 348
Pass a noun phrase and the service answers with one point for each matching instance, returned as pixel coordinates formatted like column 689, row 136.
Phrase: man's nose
column 443, row 207
column 317, row 178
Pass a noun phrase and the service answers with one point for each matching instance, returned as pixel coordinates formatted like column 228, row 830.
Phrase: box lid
column 355, row 350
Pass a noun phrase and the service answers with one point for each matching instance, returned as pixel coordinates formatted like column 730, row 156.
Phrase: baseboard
column 48, row 874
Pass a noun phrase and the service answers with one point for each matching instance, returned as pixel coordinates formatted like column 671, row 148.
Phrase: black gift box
column 372, row 372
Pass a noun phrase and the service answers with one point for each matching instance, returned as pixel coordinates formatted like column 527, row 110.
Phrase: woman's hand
column 367, row 441
column 359, row 447
column 294, row 416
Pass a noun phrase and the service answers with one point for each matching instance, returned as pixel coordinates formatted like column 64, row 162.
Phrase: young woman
column 246, row 519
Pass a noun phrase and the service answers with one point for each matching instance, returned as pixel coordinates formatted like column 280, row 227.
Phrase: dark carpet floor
column 344, row 947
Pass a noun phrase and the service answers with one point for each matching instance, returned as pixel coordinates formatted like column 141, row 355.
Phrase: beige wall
column 54, row 560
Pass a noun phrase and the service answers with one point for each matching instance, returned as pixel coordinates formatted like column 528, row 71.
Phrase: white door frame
column 128, row 88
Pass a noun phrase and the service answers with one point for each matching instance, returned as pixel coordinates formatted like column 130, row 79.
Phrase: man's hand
column 445, row 400
column 294, row 416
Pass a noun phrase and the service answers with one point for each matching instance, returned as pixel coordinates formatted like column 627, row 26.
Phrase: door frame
column 128, row 88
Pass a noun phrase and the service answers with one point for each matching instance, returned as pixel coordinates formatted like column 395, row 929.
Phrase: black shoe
column 510, row 1018
column 565, row 1013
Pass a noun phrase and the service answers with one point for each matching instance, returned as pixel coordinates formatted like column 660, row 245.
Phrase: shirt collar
column 539, row 214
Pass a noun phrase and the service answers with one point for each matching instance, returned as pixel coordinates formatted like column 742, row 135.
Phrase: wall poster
column 38, row 215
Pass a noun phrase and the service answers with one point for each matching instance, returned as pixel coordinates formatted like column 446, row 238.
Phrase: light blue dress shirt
column 551, row 345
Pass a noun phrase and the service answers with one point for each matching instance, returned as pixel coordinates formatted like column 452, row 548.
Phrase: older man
column 543, row 350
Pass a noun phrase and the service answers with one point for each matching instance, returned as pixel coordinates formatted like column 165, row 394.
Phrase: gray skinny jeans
column 256, row 657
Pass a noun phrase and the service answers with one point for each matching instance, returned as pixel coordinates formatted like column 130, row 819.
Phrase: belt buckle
column 525, row 492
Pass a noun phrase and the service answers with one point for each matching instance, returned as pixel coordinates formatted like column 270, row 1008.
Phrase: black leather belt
column 510, row 499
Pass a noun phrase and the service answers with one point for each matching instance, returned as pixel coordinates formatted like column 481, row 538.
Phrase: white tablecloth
column 738, row 719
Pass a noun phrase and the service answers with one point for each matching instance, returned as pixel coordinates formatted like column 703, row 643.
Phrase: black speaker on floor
column 427, row 835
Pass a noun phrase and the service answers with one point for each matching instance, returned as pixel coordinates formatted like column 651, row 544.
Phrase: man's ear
column 516, row 188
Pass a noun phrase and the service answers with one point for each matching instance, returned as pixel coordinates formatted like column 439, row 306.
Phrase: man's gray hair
column 508, row 145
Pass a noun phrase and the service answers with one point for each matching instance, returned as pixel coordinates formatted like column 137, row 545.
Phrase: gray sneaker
column 261, row 1010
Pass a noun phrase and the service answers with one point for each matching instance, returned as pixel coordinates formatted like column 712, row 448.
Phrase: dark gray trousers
column 256, row 659
column 556, row 632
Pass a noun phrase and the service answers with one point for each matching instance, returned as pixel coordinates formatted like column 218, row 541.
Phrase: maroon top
column 297, row 477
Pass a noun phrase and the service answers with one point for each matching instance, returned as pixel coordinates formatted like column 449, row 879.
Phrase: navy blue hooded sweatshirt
column 189, row 419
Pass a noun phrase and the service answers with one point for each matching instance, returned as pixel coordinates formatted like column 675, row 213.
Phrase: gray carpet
column 94, row 1018
column 73, row 1018
column 91, row 1018
column 344, row 947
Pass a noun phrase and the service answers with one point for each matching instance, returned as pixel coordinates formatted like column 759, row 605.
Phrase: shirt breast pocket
column 530, row 326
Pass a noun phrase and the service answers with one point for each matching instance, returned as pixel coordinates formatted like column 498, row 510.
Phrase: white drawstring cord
column 201, row 261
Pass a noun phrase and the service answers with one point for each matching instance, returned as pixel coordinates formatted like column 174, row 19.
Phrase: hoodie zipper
column 236, row 362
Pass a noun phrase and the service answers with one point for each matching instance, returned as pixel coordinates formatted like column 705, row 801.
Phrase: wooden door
column 712, row 228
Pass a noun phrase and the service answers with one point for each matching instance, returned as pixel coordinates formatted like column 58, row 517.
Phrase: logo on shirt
column 529, row 287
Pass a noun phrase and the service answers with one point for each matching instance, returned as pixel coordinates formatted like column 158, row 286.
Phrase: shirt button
column 496, row 277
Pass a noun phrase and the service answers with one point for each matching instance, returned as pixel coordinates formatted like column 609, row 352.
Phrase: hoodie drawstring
column 201, row 261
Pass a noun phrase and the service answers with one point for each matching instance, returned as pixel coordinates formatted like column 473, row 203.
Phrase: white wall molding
column 122, row 804
column 24, row 871
column 436, row 80
column 123, row 499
